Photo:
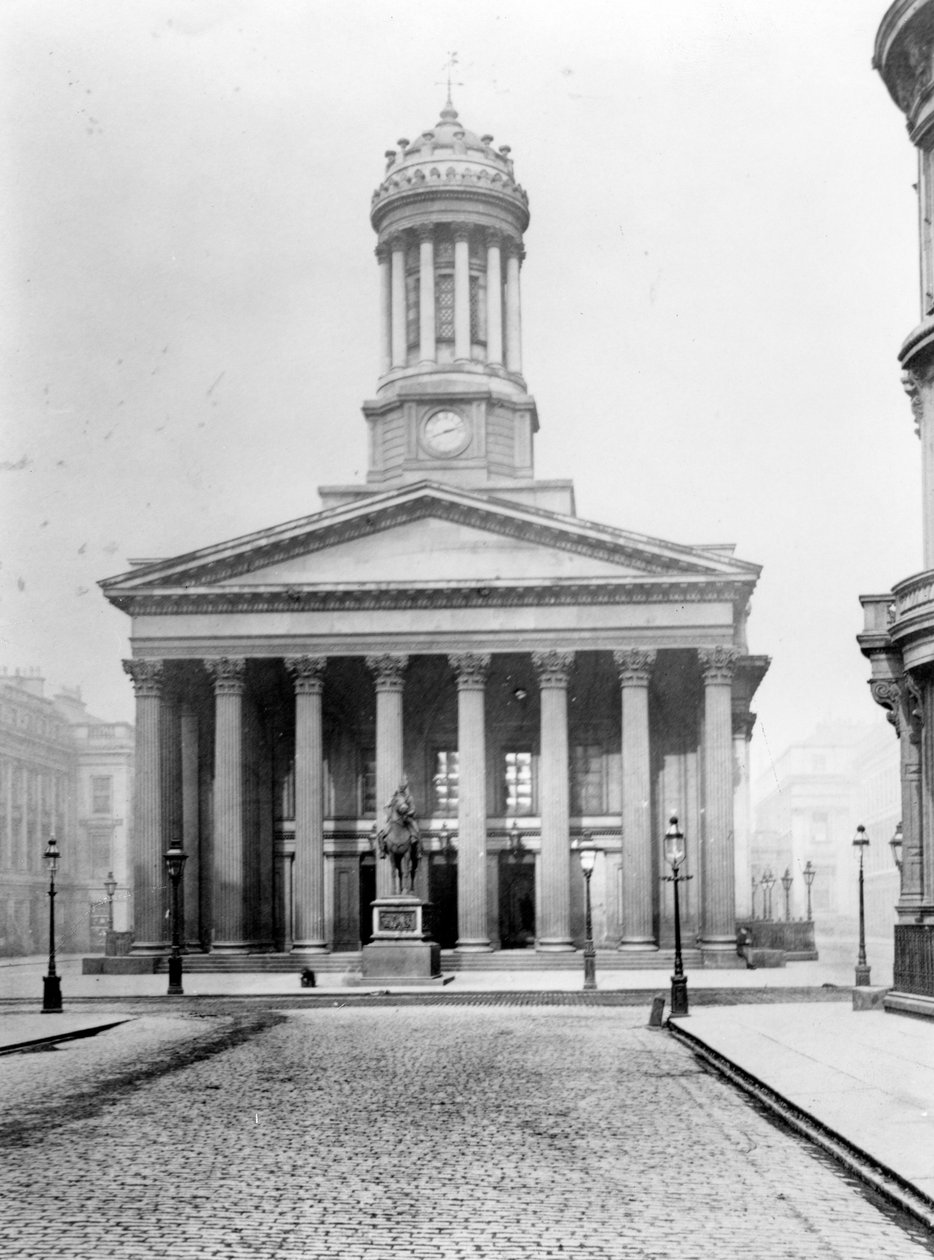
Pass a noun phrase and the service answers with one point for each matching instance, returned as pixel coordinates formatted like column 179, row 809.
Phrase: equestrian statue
column 399, row 839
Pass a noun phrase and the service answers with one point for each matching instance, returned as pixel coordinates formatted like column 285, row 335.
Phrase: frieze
column 553, row 668
column 228, row 674
column 307, row 673
column 634, row 666
column 718, row 664
column 470, row 668
column 147, row 676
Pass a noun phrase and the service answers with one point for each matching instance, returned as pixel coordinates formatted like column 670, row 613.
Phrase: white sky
column 721, row 267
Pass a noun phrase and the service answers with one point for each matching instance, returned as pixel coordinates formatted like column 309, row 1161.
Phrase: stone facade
column 534, row 676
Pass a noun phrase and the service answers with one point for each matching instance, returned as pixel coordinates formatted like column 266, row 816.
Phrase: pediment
column 427, row 535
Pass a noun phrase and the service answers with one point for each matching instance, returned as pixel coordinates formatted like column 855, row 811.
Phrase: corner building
column 534, row 676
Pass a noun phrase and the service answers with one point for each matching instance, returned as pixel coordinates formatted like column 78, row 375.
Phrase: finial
column 449, row 113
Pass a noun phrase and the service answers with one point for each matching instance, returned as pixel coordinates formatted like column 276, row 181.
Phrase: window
column 101, row 794
column 587, row 779
column 477, row 328
column 518, row 782
column 367, row 783
column 446, row 783
column 412, row 309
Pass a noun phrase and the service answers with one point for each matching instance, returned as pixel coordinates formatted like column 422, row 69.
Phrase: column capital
column 147, row 676
column 552, row 668
column 493, row 238
column 307, row 674
column 461, row 231
column 471, row 669
column 718, row 664
column 396, row 243
column 916, row 382
column 512, row 246
column 634, row 666
column 228, row 674
column 388, row 671
column 901, row 698
column 425, row 232
column 743, row 723
column 383, row 251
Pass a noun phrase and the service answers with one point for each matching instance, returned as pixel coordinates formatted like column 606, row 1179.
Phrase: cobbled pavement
column 366, row 1133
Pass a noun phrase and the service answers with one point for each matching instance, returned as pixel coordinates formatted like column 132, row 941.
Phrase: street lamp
column 895, row 844
column 110, row 887
column 809, row 872
column 674, row 856
column 787, row 881
column 175, row 861
column 754, row 887
column 860, row 842
column 588, row 856
column 51, row 984
column 768, row 881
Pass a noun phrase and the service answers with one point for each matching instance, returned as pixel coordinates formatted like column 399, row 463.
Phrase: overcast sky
column 721, row 266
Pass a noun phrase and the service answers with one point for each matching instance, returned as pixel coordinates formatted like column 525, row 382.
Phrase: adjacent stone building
column 898, row 635
column 536, row 677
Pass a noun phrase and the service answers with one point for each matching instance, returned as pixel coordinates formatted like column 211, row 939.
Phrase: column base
column 721, row 955
column 641, row 943
column 554, row 947
column 309, row 947
column 149, row 947
column 231, row 947
column 473, row 947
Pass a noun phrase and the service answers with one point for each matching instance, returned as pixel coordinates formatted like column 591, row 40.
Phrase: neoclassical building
column 536, row 678
column 898, row 634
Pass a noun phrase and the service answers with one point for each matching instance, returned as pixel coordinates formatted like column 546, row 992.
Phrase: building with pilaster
column 898, row 633
column 537, row 678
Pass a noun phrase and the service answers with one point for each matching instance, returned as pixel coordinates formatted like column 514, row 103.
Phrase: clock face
column 446, row 433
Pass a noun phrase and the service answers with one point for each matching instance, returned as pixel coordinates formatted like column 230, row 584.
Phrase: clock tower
column 451, row 403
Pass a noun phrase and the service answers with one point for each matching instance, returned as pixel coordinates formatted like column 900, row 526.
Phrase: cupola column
column 554, row 930
column 389, row 676
column 385, row 308
column 494, row 299
column 513, row 309
column 397, row 245
column 426, row 295
column 461, row 292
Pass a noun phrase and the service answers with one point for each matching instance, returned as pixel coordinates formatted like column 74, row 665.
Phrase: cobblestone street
column 408, row 1131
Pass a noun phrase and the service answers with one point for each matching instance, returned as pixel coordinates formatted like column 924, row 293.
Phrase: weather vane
column 449, row 67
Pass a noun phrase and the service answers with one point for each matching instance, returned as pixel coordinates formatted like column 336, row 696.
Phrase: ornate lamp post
column 787, row 881
column 674, row 856
column 588, row 856
column 754, row 887
column 110, row 887
column 175, row 861
column 809, row 872
column 860, row 842
column 51, row 984
column 768, row 880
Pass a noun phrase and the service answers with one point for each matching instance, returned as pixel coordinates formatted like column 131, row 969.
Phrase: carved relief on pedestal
column 634, row 666
column 147, row 676
column 718, row 664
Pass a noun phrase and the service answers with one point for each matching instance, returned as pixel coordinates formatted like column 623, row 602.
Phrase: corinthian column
column 385, row 308
column 191, row 831
column 718, row 911
column 494, row 299
column 308, row 875
column 399, row 329
column 426, row 294
column 389, row 677
column 461, row 292
column 471, row 670
column 513, row 309
column 228, row 675
column 148, row 840
column 919, row 385
column 634, row 667
column 553, row 669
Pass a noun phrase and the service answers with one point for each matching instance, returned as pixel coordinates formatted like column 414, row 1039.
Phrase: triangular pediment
column 427, row 535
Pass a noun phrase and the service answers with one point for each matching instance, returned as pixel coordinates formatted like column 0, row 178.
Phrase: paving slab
column 866, row 1076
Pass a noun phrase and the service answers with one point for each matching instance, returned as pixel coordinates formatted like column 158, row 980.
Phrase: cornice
column 175, row 601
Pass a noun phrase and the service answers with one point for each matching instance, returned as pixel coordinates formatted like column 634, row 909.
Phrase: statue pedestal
column 401, row 951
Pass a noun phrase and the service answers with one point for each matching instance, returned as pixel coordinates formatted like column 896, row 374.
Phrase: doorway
column 516, row 901
column 442, row 893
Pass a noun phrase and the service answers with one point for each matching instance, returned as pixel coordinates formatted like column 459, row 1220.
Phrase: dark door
column 442, row 893
column 367, row 896
column 516, row 901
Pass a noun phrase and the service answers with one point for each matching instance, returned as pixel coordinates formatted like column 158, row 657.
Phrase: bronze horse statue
column 399, row 839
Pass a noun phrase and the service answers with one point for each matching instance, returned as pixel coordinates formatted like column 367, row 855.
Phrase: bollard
column 308, row 978
column 658, row 1008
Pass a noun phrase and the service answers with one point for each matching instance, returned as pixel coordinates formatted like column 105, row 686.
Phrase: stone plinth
column 401, row 951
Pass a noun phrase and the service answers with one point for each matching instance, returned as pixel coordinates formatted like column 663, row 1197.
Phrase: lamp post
column 110, row 887
column 860, row 842
column 809, row 872
column 51, row 984
column 787, row 881
column 175, row 861
column 588, row 856
column 754, row 887
column 674, row 856
column 768, row 880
